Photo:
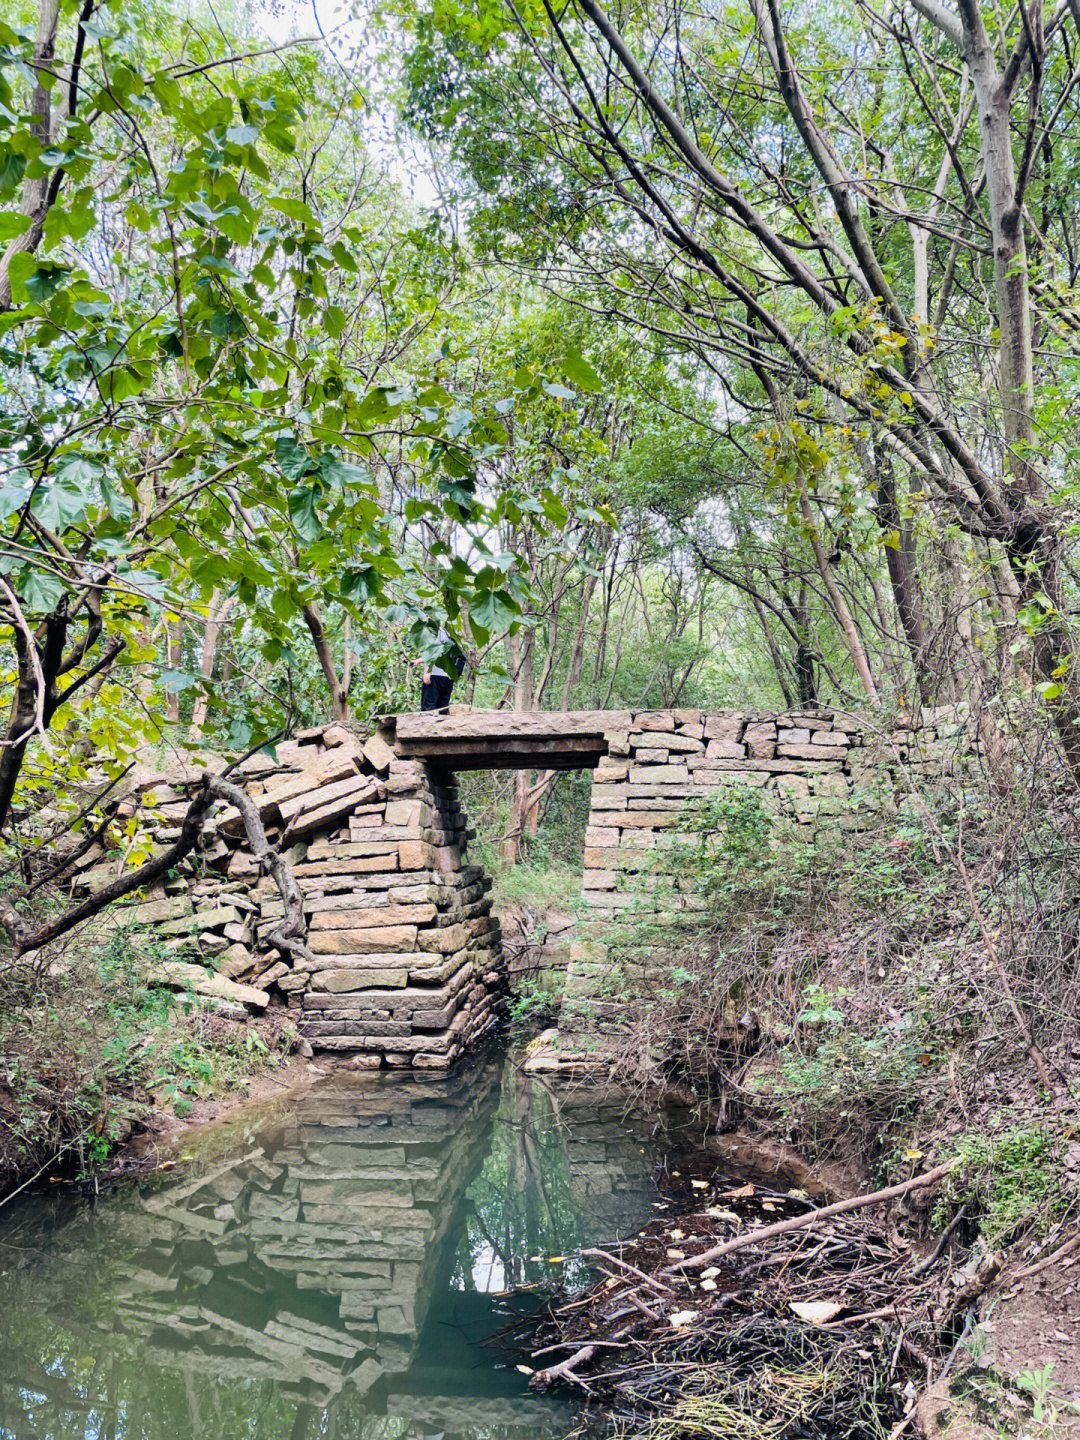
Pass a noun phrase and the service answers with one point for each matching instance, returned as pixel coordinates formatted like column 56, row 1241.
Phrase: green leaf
column 178, row 680
column 12, row 166
column 292, row 457
column 578, row 370
column 12, row 223
column 305, row 516
column 1050, row 689
column 334, row 319
column 39, row 591
column 493, row 611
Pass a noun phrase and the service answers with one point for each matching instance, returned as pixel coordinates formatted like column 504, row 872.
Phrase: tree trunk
column 520, row 648
column 339, row 699
column 216, row 614
column 902, row 561
column 840, row 607
column 174, row 639
column 35, row 196
column 805, row 675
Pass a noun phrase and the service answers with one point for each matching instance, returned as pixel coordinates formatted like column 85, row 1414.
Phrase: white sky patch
column 350, row 40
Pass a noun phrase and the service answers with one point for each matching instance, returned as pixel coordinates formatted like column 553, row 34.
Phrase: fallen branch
column 289, row 937
column 649, row 1280
column 812, row 1217
column 1044, row 1264
column 564, row 1370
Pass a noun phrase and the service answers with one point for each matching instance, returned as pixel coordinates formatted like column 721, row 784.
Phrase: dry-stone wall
column 814, row 767
column 404, row 963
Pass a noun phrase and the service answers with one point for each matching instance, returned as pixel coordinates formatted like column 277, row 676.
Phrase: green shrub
column 1011, row 1181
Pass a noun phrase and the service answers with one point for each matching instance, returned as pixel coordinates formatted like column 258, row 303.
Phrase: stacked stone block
column 405, row 955
column 807, row 766
column 403, row 963
column 666, row 760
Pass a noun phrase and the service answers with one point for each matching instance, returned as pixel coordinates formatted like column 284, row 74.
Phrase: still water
column 329, row 1268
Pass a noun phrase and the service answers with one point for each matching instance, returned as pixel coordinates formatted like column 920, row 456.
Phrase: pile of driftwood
column 758, row 1317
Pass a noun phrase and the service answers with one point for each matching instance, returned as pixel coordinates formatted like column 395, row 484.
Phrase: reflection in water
column 332, row 1271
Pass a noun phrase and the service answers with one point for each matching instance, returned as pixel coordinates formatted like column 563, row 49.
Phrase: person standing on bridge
column 437, row 684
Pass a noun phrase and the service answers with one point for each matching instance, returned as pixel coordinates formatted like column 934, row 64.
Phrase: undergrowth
column 839, row 990
column 1010, row 1182
column 88, row 1049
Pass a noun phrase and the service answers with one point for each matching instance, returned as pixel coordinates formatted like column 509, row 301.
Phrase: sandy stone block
column 608, row 797
column 378, row 752
column 681, row 744
column 367, row 833
column 336, row 982
column 654, row 720
column 601, row 837
column 760, row 730
column 201, row 920
column 608, row 899
column 447, row 859
column 725, row 750
column 586, row 951
column 320, row 797
column 647, row 819
column 366, row 865
column 793, row 785
column 723, row 727
column 761, row 749
column 428, row 974
column 651, row 756
column 806, row 752
column 831, row 783
column 835, row 738
column 618, row 742
column 445, row 941
column 351, row 942
column 660, row 774
column 408, row 812
column 414, row 854
column 435, row 1019
column 350, row 849
column 152, row 912
column 600, row 879
column 609, row 769
column 365, row 918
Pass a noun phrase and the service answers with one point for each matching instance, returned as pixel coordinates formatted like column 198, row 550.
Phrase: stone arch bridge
column 405, row 965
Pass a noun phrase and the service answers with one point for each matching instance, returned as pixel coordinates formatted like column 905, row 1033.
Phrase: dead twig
column 812, row 1217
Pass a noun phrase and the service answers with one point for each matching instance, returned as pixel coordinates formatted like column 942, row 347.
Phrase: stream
column 330, row 1266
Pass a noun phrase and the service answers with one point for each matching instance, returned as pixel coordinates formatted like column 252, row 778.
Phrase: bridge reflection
column 331, row 1270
